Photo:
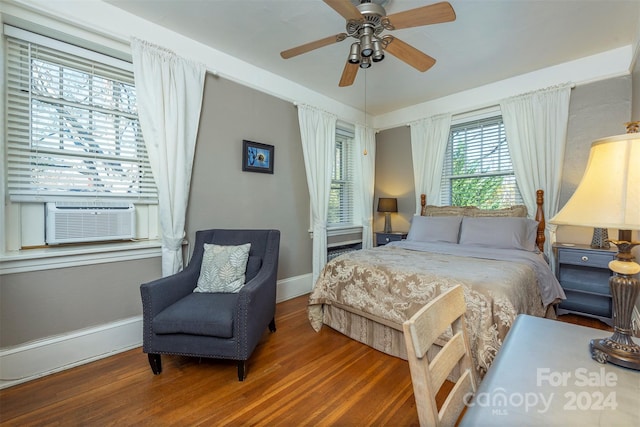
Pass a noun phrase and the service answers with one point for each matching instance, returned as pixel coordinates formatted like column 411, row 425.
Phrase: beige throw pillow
column 223, row 268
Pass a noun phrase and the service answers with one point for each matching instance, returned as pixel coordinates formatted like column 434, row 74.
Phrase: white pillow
column 223, row 268
column 499, row 232
column 435, row 229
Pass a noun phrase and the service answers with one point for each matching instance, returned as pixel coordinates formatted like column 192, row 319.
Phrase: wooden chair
column 427, row 376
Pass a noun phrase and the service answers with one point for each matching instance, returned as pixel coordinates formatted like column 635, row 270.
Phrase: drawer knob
column 585, row 258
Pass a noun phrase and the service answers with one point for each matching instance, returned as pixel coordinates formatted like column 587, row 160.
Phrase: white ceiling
column 490, row 40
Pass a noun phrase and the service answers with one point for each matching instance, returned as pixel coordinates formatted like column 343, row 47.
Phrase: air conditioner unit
column 89, row 222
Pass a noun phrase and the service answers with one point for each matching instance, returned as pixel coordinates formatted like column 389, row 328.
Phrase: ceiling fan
column 366, row 22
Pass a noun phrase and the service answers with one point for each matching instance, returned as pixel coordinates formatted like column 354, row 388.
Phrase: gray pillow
column 223, row 268
column 434, row 229
column 502, row 232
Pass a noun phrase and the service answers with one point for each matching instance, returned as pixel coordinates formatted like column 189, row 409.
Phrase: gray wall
column 40, row 304
column 45, row 303
column 597, row 110
column 394, row 176
column 635, row 83
column 223, row 196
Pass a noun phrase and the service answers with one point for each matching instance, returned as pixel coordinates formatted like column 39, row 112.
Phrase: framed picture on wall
column 257, row 157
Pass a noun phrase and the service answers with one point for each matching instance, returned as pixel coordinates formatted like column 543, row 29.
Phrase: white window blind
column 341, row 203
column 477, row 168
column 72, row 126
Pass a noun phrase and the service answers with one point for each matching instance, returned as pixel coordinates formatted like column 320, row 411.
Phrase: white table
column 544, row 375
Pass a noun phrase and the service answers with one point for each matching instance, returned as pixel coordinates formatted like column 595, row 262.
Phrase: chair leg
column 241, row 370
column 156, row 363
column 272, row 325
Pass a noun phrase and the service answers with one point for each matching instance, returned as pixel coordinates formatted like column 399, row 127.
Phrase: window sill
column 72, row 256
column 340, row 231
column 343, row 230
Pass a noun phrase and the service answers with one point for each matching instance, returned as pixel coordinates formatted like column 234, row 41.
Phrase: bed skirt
column 382, row 337
column 386, row 338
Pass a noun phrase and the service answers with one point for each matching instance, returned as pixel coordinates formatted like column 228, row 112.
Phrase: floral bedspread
column 391, row 283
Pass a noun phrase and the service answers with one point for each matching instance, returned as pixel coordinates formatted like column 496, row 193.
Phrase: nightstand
column 383, row 238
column 583, row 273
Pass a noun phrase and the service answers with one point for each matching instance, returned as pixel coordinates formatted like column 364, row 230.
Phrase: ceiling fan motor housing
column 374, row 16
column 366, row 31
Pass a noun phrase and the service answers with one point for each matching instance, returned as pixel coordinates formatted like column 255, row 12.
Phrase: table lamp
column 609, row 197
column 387, row 205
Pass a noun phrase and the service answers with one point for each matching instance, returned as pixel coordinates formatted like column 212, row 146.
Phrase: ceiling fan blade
column 307, row 47
column 409, row 54
column 348, row 74
column 345, row 8
column 426, row 15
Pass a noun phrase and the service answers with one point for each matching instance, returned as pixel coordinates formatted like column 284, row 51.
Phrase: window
column 71, row 135
column 72, row 124
column 341, row 203
column 477, row 167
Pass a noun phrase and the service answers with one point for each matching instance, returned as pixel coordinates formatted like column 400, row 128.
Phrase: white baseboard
column 43, row 357
column 293, row 287
column 36, row 359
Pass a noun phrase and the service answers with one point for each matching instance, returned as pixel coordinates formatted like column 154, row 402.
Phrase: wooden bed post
column 540, row 218
column 423, row 204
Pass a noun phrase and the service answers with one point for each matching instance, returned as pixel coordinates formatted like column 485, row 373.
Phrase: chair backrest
column 427, row 376
column 262, row 242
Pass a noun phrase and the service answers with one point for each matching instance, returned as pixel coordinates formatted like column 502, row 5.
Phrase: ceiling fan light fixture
column 366, row 42
column 354, row 53
column 367, row 48
column 365, row 63
column 378, row 52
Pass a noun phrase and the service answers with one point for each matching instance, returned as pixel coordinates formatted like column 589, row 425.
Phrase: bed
column 495, row 254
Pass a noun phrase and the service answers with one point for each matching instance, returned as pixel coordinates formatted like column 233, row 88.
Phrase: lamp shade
column 387, row 204
column 609, row 194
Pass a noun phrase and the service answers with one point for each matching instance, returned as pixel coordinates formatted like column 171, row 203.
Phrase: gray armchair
column 217, row 325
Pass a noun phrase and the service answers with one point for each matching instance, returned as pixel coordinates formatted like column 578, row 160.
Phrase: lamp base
column 600, row 239
column 608, row 350
column 387, row 222
column 620, row 349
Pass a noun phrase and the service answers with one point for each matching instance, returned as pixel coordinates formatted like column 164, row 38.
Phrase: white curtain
column 365, row 172
column 169, row 92
column 429, row 138
column 318, row 135
column 536, row 128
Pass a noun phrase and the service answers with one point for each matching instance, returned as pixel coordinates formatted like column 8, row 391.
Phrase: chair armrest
column 257, row 302
column 255, row 309
column 260, row 290
column 161, row 293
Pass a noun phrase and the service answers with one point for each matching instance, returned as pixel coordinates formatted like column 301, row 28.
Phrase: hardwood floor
column 295, row 377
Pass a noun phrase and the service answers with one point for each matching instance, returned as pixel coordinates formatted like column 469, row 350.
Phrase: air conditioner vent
column 89, row 222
